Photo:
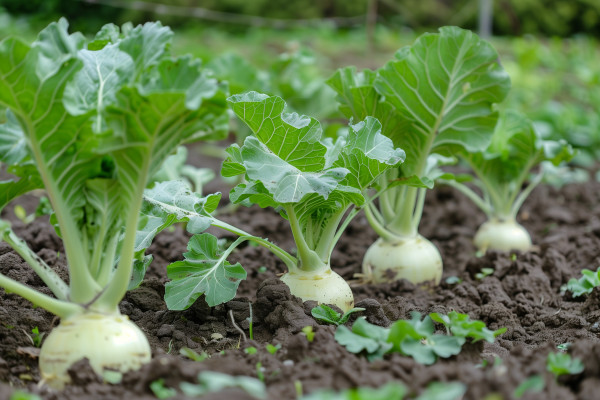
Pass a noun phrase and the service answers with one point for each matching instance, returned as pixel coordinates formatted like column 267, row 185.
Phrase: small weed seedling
column 585, row 284
column 484, row 272
column 251, row 350
column 193, row 355
column 309, row 333
column 533, row 384
column 324, row 313
column 272, row 349
column 414, row 337
column 563, row 364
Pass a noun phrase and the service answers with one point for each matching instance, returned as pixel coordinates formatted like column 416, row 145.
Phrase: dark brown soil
column 523, row 295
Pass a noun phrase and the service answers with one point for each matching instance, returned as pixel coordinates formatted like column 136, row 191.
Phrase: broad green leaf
column 585, row 284
column 94, row 87
column 238, row 72
column 389, row 391
column 293, row 138
column 326, row 314
column 563, row 364
column 11, row 189
column 359, row 99
column 285, row 182
column 205, row 270
column 367, row 154
column 13, row 144
column 364, row 336
column 146, row 44
column 444, row 87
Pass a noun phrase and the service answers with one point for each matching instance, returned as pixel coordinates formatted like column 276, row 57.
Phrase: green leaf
column 13, row 144
column 443, row 391
column 367, row 154
column 364, row 336
column 205, row 270
column 444, row 87
column 389, row 391
column 146, row 44
column 533, row 384
column 291, row 137
column 461, row 325
column 563, row 364
column 211, row 382
column 324, row 313
column 585, row 284
column 95, row 86
column 172, row 202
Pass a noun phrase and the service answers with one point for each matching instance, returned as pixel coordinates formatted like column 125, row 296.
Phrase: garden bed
column 523, row 294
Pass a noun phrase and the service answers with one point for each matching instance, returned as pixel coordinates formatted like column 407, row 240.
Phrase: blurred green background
column 289, row 47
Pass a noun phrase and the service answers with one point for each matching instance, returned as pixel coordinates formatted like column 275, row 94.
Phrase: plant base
column 109, row 342
column 502, row 236
column 415, row 259
column 326, row 288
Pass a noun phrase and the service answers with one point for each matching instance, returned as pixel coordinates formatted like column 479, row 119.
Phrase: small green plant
column 324, row 313
column 251, row 350
column 484, row 272
column 193, row 355
column 272, row 349
column 461, row 325
column 21, row 395
column 161, row 391
column 563, row 364
column 500, row 172
column 211, row 382
column 414, row 337
column 564, row 346
column 309, row 333
column 37, row 337
column 393, row 391
column 533, row 384
column 260, row 371
column 453, row 280
column 584, row 285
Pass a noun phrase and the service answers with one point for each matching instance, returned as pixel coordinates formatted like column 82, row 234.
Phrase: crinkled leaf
column 140, row 266
column 171, row 202
column 364, row 336
column 586, row 284
column 367, row 154
column 211, row 382
column 13, row 145
column 444, row 86
column 94, row 87
column 389, row 391
column 146, row 44
column 461, row 325
column 205, row 270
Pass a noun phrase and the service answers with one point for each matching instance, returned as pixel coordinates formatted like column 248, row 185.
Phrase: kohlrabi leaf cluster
column 500, row 172
column 91, row 122
column 324, row 313
column 435, row 96
column 415, row 337
column 313, row 182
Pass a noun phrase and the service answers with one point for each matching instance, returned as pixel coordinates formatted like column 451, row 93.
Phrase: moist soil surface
column 522, row 294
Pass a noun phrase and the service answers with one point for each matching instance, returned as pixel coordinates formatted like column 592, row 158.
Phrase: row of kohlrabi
column 91, row 122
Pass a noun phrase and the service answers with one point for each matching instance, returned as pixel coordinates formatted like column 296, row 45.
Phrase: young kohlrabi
column 436, row 96
column 312, row 182
column 316, row 184
column 500, row 173
column 91, row 122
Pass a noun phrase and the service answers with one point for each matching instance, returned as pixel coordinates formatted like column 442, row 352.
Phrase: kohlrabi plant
column 310, row 181
column 501, row 171
column 436, row 96
column 90, row 122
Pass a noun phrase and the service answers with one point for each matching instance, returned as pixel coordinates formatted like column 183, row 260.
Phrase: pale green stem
column 57, row 307
column 309, row 259
column 107, row 263
column 524, row 194
column 99, row 251
column 47, row 274
column 474, row 197
column 83, row 288
column 290, row 261
column 326, row 240
column 377, row 226
column 403, row 223
column 421, row 193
